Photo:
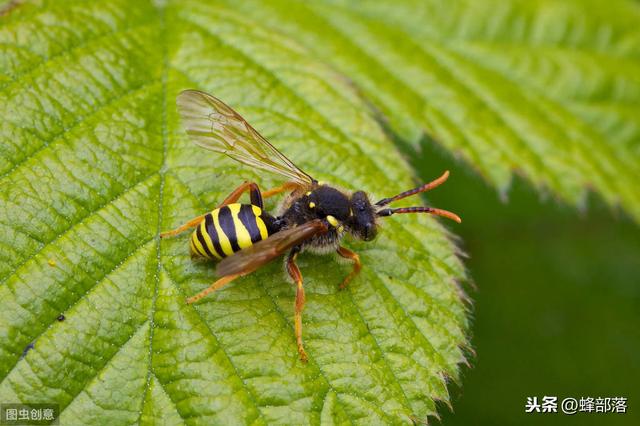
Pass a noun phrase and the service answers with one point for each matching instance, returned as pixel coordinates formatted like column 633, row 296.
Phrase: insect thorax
column 322, row 202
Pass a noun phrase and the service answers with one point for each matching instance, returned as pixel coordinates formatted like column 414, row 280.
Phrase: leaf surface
column 95, row 163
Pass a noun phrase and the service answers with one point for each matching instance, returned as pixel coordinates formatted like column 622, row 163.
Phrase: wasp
column 314, row 216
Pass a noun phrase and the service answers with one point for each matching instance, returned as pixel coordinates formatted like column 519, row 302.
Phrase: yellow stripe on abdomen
column 243, row 238
column 199, row 250
column 257, row 211
column 207, row 240
column 192, row 247
column 222, row 237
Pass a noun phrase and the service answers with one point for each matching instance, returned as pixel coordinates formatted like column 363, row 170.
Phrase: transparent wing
column 214, row 125
column 248, row 260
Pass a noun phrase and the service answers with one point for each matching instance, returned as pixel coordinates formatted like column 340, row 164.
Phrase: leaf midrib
column 162, row 172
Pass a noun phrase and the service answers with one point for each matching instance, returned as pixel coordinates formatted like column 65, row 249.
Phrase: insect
column 314, row 216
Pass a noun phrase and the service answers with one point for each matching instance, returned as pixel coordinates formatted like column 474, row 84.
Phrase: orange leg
column 254, row 191
column 284, row 187
column 256, row 195
column 213, row 287
column 294, row 272
column 357, row 266
column 192, row 223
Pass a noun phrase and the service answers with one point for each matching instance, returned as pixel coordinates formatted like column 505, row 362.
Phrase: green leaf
column 547, row 88
column 94, row 164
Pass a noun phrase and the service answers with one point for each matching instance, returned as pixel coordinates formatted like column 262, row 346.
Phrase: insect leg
column 213, row 287
column 294, row 272
column 284, row 187
column 254, row 192
column 357, row 266
column 192, row 223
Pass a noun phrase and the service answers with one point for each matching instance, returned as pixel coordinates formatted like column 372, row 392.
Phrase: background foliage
column 94, row 163
column 557, row 305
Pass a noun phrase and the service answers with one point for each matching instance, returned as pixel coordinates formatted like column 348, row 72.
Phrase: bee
column 314, row 216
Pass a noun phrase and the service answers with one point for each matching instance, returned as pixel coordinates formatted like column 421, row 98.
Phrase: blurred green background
column 557, row 303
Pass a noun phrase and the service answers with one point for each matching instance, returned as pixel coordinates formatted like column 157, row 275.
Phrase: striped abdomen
column 227, row 230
